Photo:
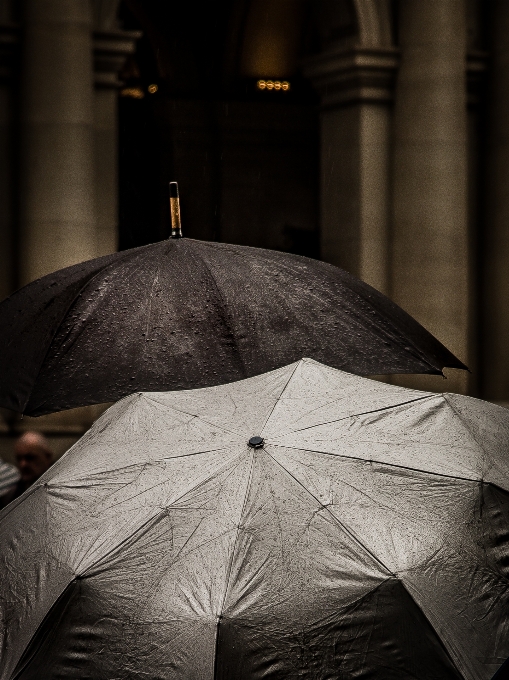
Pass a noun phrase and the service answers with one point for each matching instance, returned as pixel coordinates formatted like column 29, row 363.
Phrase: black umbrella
column 184, row 314
column 304, row 523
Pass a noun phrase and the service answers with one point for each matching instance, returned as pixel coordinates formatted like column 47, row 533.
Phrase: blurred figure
column 33, row 458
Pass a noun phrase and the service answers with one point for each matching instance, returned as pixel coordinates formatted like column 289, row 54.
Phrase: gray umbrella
column 9, row 477
column 303, row 523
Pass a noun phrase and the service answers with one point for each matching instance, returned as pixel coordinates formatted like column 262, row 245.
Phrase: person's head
column 33, row 456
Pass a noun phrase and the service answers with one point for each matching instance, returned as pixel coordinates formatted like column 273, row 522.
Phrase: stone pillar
column 57, row 224
column 495, row 302
column 357, row 89
column 9, row 39
column 476, row 77
column 111, row 47
column 430, row 275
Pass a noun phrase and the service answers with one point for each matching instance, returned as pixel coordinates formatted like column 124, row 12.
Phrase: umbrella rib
column 154, row 282
column 335, row 519
column 466, row 425
column 165, row 481
column 281, row 394
column 154, row 461
column 4, row 512
column 363, row 413
column 268, row 640
column 138, row 531
column 64, row 315
column 194, row 415
column 223, row 308
column 17, row 671
column 230, row 564
column 438, row 636
column 364, row 295
column 366, row 460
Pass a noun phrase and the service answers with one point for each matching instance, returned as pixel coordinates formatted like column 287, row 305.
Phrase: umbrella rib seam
column 466, row 425
column 378, row 462
column 230, row 565
column 65, row 485
column 228, row 327
column 122, row 404
column 439, row 637
column 365, row 294
column 224, row 429
column 281, row 394
column 193, row 415
column 64, row 315
column 335, row 519
column 363, row 413
column 5, row 512
column 154, row 518
column 16, row 672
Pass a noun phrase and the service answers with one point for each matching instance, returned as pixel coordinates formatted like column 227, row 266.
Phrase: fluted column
column 111, row 48
column 57, row 224
column 495, row 302
column 9, row 39
column 356, row 85
column 430, row 273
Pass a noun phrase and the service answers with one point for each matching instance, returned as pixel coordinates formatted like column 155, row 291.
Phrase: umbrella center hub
column 256, row 442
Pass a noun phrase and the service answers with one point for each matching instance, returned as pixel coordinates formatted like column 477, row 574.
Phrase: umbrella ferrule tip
column 256, row 442
column 176, row 231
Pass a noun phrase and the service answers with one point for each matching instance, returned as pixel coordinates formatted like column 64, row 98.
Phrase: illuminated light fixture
column 273, row 85
column 133, row 92
column 152, row 88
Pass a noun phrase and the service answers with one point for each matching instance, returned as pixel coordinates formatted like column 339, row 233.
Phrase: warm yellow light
column 133, row 92
column 273, row 85
column 152, row 88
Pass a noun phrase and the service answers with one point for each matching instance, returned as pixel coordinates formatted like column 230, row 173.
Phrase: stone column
column 57, row 224
column 111, row 47
column 476, row 76
column 430, row 275
column 9, row 39
column 495, row 302
column 357, row 89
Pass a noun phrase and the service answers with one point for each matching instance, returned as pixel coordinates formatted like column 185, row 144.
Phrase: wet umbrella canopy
column 303, row 523
column 185, row 314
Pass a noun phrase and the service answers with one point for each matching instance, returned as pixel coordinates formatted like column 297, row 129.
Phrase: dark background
column 246, row 160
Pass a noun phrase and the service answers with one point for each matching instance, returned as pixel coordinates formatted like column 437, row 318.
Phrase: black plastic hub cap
column 256, row 442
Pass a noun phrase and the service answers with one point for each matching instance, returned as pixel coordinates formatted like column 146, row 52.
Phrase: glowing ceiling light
column 132, row 92
column 273, row 85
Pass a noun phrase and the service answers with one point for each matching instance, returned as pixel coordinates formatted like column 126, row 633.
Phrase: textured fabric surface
column 367, row 538
column 9, row 477
column 184, row 314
